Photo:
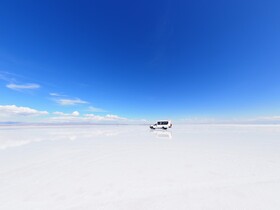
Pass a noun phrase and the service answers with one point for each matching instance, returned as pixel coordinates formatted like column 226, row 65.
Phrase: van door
column 158, row 124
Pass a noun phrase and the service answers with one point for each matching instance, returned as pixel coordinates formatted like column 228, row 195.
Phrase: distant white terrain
column 131, row 167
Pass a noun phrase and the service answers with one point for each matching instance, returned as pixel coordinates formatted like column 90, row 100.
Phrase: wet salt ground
column 131, row 167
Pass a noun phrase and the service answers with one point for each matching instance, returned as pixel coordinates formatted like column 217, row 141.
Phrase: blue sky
column 140, row 59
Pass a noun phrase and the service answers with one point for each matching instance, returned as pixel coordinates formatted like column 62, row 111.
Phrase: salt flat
column 130, row 167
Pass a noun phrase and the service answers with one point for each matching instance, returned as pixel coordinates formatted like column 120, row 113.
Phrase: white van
column 163, row 124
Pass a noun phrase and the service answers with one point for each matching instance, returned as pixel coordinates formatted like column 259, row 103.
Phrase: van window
column 163, row 123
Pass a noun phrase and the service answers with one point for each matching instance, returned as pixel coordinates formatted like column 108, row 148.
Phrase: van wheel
column 164, row 128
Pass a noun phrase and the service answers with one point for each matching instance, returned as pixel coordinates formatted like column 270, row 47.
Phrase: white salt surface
column 131, row 167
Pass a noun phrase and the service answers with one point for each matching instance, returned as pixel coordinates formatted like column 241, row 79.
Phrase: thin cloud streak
column 7, row 76
column 95, row 109
column 70, row 102
column 54, row 94
column 29, row 86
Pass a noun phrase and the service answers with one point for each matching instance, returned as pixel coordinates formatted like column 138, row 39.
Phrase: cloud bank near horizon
column 13, row 113
column 20, row 114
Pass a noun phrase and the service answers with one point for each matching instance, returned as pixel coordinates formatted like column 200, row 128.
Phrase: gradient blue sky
column 142, row 59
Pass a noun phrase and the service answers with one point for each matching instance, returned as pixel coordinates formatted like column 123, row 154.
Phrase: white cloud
column 18, row 113
column 69, row 102
column 54, row 94
column 13, row 110
column 240, row 120
column 74, row 114
column 107, row 117
column 59, row 113
column 200, row 120
column 269, row 118
column 86, row 118
column 264, row 119
column 114, row 117
column 95, row 109
column 30, row 86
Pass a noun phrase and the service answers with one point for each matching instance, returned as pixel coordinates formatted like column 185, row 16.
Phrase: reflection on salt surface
column 16, row 136
column 19, row 136
column 121, row 167
column 163, row 134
